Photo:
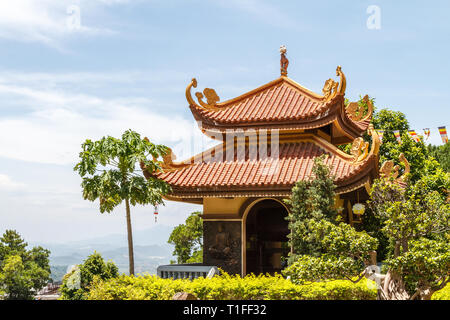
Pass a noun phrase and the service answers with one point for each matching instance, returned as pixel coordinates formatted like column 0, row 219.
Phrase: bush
column 443, row 294
column 76, row 283
column 226, row 287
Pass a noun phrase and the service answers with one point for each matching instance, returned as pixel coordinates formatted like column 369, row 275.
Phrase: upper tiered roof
column 281, row 104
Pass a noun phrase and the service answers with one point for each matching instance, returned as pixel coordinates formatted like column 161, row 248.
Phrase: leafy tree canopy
column 22, row 272
column 441, row 154
column 311, row 200
column 77, row 282
column 416, row 221
column 111, row 173
column 188, row 238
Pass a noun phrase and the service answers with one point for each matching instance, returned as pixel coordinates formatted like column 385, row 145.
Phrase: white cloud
column 57, row 120
column 7, row 184
column 47, row 21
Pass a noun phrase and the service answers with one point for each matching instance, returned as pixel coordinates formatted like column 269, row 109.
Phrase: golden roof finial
column 332, row 88
column 284, row 62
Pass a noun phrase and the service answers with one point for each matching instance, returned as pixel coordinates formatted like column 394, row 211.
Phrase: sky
column 77, row 69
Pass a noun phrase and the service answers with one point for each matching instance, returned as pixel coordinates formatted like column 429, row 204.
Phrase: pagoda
column 268, row 139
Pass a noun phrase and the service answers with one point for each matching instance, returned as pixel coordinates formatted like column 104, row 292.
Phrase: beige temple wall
column 222, row 206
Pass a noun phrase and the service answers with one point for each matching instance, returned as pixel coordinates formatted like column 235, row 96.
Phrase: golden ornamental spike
column 284, row 62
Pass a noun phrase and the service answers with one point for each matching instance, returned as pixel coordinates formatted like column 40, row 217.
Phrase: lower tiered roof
column 230, row 171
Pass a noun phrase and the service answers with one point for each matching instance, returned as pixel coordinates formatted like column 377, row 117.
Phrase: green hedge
column 443, row 294
column 226, row 287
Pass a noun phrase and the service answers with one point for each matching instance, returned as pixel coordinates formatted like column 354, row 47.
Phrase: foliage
column 22, row 272
column 433, row 178
column 344, row 253
column 324, row 247
column 441, row 154
column 416, row 222
column 310, row 200
column 226, row 287
column 411, row 225
column 76, row 283
column 187, row 239
column 415, row 152
column 443, row 294
column 110, row 172
column 197, row 257
column 108, row 169
column 362, row 103
column 372, row 225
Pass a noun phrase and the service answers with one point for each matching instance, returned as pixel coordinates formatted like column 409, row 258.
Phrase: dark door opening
column 266, row 237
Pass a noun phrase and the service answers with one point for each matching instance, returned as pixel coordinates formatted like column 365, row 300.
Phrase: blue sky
column 127, row 64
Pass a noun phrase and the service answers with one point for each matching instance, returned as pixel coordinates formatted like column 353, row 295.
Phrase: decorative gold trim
column 407, row 170
column 342, row 83
column 193, row 83
column 211, row 97
column 355, row 111
column 360, row 148
column 167, row 165
column 329, row 89
column 332, row 88
column 375, row 140
column 390, row 172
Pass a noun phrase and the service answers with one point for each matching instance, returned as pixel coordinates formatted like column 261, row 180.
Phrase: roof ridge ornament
column 211, row 97
column 166, row 165
column 389, row 171
column 357, row 112
column 332, row 88
column 360, row 148
column 284, row 62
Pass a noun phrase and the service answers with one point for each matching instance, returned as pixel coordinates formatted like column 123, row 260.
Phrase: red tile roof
column 280, row 100
column 280, row 104
column 295, row 162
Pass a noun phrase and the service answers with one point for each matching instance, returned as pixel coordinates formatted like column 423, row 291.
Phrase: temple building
column 268, row 139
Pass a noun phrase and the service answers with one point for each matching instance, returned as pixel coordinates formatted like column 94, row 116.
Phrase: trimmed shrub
column 443, row 294
column 76, row 283
column 226, row 287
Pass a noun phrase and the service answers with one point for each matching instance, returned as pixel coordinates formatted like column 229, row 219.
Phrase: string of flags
column 414, row 136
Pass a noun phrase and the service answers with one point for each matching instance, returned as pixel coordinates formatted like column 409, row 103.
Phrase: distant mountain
column 150, row 250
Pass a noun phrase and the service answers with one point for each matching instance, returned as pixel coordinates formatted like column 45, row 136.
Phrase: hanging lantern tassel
column 156, row 213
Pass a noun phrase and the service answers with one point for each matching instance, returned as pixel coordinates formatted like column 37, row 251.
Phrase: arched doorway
column 266, row 231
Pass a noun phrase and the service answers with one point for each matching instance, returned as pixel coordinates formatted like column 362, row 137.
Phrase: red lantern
column 156, row 213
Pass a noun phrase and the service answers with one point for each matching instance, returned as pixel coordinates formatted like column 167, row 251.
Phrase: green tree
column 188, row 239
column 76, row 282
column 415, row 221
column 311, row 200
column 22, row 272
column 110, row 171
column 441, row 154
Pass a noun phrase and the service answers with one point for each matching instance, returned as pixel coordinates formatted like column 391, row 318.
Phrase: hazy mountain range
column 150, row 250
